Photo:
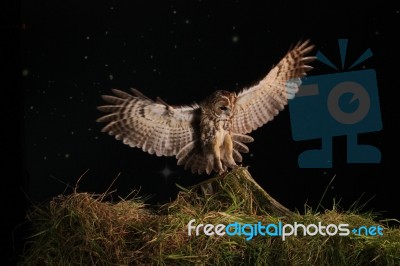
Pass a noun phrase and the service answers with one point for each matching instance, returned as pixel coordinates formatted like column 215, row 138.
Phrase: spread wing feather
column 152, row 126
column 259, row 104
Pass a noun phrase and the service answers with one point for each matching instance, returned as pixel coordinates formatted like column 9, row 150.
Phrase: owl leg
column 217, row 157
column 218, row 164
column 228, row 151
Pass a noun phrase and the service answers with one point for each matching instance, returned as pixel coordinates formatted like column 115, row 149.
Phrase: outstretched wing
column 259, row 104
column 153, row 126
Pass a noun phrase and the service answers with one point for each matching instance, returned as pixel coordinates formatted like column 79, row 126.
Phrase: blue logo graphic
column 337, row 104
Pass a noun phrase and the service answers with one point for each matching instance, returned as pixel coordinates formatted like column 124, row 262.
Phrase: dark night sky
column 71, row 53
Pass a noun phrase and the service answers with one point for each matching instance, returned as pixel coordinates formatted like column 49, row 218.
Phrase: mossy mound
column 83, row 229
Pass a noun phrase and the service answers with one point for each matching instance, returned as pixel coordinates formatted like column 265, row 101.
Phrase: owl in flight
column 208, row 136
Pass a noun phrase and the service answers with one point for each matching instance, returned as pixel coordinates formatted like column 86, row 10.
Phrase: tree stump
column 238, row 184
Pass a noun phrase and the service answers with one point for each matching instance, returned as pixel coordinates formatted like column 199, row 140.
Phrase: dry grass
column 82, row 229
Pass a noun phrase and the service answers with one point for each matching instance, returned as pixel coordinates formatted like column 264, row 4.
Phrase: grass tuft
column 84, row 229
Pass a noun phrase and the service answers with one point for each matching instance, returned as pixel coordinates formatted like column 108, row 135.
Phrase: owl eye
column 223, row 108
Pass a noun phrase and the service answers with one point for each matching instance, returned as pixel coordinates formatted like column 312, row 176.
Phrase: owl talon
column 223, row 173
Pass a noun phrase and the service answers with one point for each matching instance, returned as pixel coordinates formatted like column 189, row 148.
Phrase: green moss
column 82, row 229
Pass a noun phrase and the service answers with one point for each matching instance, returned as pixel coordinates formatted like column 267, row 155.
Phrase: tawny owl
column 209, row 136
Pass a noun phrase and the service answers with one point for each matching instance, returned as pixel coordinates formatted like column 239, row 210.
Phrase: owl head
column 221, row 104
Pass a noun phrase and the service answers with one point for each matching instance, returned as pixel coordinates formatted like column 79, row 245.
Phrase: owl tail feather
column 192, row 157
column 196, row 162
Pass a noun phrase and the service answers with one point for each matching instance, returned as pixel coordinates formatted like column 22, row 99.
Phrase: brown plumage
column 209, row 136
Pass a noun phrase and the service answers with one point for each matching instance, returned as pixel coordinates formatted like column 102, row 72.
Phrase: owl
column 211, row 135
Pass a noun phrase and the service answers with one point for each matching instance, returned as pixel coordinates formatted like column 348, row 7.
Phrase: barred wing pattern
column 259, row 104
column 153, row 126
column 209, row 137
